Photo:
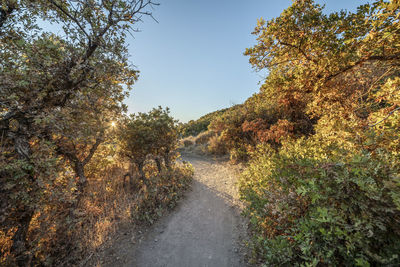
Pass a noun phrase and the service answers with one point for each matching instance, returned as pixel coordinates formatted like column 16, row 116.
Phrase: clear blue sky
column 192, row 60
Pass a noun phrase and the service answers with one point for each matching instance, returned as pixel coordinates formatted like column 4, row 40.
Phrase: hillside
column 195, row 127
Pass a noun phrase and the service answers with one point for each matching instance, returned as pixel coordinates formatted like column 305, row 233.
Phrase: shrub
column 194, row 128
column 163, row 192
column 187, row 143
column 204, row 137
column 311, row 209
column 333, row 199
column 49, row 134
column 217, row 146
column 149, row 134
column 239, row 154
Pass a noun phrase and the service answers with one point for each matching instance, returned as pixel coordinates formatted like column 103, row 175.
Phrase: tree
column 331, row 197
column 137, row 138
column 167, row 135
column 153, row 134
column 313, row 57
column 86, row 66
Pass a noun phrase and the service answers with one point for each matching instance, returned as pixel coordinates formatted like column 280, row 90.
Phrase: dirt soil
column 205, row 229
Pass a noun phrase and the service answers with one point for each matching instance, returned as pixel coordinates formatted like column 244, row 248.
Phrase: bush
column 65, row 237
column 239, row 154
column 194, row 128
column 204, row 137
column 50, row 134
column 333, row 199
column 314, row 208
column 151, row 134
column 187, row 143
column 217, row 146
column 163, row 193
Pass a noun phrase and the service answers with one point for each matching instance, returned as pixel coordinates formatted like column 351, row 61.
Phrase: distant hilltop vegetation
column 195, row 127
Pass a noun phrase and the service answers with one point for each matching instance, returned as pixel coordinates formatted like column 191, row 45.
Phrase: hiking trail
column 205, row 229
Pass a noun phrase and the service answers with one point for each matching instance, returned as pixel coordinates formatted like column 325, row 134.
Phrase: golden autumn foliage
column 322, row 137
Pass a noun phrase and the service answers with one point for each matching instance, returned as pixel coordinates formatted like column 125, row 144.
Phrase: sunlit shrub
column 204, row 137
column 194, row 128
column 217, row 146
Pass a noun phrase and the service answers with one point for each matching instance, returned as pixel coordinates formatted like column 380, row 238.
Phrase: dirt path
column 206, row 229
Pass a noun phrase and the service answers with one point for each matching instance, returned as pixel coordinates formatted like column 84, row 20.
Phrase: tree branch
column 388, row 115
column 300, row 50
column 361, row 61
column 5, row 13
column 99, row 140
column 66, row 13
column 62, row 152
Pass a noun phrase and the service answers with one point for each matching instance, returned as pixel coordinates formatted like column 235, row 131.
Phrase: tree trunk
column 79, row 165
column 82, row 181
column 124, row 181
column 19, row 247
column 128, row 174
column 167, row 160
column 158, row 162
column 142, row 176
column 80, row 172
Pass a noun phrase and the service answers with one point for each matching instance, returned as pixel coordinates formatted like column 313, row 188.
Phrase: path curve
column 206, row 228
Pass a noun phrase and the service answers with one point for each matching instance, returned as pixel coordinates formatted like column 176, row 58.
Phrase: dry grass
column 5, row 246
column 187, row 142
column 67, row 236
column 204, row 143
column 135, row 204
column 105, row 206
column 109, row 205
column 216, row 146
column 204, row 137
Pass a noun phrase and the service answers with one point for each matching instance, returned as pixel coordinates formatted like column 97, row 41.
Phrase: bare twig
column 74, row 19
column 83, row 263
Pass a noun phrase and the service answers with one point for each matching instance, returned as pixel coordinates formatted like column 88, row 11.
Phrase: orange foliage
column 262, row 133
